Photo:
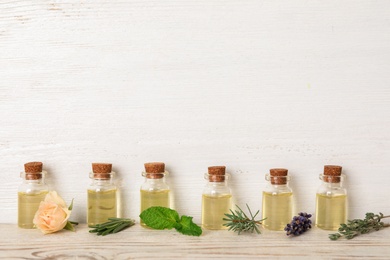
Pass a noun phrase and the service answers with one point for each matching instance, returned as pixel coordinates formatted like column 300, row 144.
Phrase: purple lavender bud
column 299, row 224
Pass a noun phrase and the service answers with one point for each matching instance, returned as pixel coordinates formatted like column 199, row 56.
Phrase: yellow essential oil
column 154, row 198
column 30, row 193
column 331, row 199
column 154, row 191
column 102, row 195
column 214, row 209
column 101, row 206
column 28, row 204
column 277, row 209
column 331, row 211
column 278, row 204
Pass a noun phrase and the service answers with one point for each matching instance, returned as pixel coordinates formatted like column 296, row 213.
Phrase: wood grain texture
column 140, row 243
column 247, row 84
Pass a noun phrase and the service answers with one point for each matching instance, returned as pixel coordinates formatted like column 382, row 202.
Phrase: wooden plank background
column 247, row 84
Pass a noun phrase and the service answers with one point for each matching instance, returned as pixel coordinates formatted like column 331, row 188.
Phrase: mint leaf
column 160, row 218
column 166, row 218
column 188, row 227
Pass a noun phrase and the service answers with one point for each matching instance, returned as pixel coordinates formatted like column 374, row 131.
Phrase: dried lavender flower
column 299, row 224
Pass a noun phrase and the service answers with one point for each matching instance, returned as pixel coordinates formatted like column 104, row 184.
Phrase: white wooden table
column 140, row 243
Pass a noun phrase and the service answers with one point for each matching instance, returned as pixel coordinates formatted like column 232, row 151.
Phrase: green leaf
column 69, row 226
column 121, row 227
column 188, row 227
column 112, row 226
column 160, row 218
column 71, row 205
column 334, row 236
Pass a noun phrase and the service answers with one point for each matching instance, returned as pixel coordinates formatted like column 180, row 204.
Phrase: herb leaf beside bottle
column 165, row 218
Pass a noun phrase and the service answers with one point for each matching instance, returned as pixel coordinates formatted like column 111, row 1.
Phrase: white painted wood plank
column 248, row 84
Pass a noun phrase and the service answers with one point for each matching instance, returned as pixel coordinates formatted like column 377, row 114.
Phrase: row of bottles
column 277, row 204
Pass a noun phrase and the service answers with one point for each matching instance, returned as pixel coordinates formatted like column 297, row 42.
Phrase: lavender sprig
column 299, row 224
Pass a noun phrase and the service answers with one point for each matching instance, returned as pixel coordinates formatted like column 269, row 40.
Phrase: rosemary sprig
column 356, row 227
column 112, row 226
column 239, row 222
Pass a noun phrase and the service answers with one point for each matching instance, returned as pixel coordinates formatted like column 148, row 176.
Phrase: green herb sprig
column 355, row 227
column 166, row 218
column 239, row 222
column 112, row 226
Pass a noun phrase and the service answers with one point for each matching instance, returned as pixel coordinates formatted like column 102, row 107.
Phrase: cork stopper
column 278, row 176
column 154, row 170
column 101, row 170
column 216, row 173
column 33, row 170
column 332, row 173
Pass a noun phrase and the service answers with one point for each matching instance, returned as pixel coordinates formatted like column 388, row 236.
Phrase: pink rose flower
column 52, row 215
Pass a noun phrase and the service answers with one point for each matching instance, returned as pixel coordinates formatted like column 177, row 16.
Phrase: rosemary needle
column 239, row 222
column 112, row 226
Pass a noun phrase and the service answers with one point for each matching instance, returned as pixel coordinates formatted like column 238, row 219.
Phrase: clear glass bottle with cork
column 331, row 199
column 216, row 198
column 277, row 200
column 102, row 194
column 31, row 192
column 154, row 191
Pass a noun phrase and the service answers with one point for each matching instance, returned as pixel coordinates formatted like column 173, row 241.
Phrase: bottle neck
column 332, row 184
column 36, row 181
column 278, row 188
column 102, row 182
column 217, row 183
column 155, row 180
column 279, row 185
column 153, row 184
column 332, row 181
column 33, row 177
column 216, row 188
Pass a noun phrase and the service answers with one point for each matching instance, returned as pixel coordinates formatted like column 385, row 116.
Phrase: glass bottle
column 277, row 200
column 102, row 195
column 216, row 198
column 154, row 191
column 31, row 192
column 331, row 199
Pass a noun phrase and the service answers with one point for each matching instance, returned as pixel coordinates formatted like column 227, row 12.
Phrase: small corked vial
column 33, row 170
column 332, row 173
column 154, row 170
column 101, row 170
column 102, row 195
column 331, row 199
column 217, row 173
column 30, row 193
column 216, row 198
column 278, row 176
column 154, row 191
column 277, row 201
